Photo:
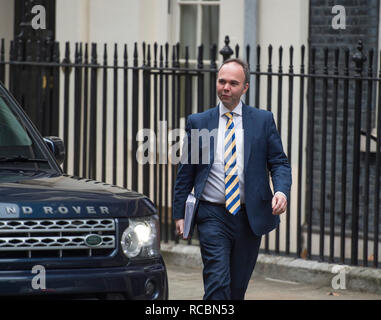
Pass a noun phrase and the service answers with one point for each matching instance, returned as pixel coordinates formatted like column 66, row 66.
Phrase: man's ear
column 246, row 86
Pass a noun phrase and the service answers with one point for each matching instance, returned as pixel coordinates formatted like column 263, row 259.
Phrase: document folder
column 189, row 216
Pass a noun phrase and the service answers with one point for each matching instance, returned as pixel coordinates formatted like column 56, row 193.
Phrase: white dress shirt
column 214, row 190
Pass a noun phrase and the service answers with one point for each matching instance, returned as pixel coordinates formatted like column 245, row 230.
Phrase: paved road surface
column 186, row 284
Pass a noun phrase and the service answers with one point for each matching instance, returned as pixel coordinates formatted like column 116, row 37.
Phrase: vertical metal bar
column 23, row 55
column 258, row 77
column 55, row 102
column 280, row 88
column 359, row 59
column 156, row 119
column 269, row 78
column 144, row 90
column 85, row 165
column 66, row 102
column 300, row 159
column 42, row 106
column 310, row 149
column 104, row 114
column 200, row 80
column 247, row 96
column 177, row 119
column 93, row 112
column 333, row 160
column 19, row 71
column 149, row 83
column 178, row 114
column 40, row 85
column 162, row 147
column 49, row 113
column 173, row 113
column 213, row 75
column 377, row 178
column 323, row 157
column 12, row 53
column 146, row 115
column 188, row 88
column 40, row 114
column 53, row 90
column 188, row 85
column 44, row 113
column 77, row 109
column 125, row 116
column 166, row 118
column 289, row 138
column 367, row 158
column 279, row 127
column 269, row 95
column 135, row 111
column 344, row 158
column 237, row 50
column 115, row 117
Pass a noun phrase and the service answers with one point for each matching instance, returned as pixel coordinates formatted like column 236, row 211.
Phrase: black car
column 63, row 236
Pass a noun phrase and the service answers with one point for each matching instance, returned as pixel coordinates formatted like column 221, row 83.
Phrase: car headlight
column 141, row 239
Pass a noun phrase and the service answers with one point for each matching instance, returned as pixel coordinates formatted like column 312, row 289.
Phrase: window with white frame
column 195, row 22
column 198, row 22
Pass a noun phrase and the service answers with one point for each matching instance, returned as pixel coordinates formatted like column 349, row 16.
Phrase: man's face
column 231, row 84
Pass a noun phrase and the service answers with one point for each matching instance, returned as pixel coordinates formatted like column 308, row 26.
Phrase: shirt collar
column 237, row 110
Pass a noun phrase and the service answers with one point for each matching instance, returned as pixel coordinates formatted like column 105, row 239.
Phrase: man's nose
column 227, row 87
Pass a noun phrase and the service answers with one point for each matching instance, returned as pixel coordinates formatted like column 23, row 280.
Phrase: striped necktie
column 232, row 196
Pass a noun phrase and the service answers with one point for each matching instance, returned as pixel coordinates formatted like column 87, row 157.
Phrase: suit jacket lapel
column 247, row 125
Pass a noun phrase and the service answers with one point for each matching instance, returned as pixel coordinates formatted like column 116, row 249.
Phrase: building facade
column 285, row 25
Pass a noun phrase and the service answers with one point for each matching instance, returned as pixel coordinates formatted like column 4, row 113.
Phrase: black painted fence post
column 226, row 51
column 359, row 60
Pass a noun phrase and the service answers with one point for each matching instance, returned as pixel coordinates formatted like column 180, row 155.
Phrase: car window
column 11, row 131
column 16, row 142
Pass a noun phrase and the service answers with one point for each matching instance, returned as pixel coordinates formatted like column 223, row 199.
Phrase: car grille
column 55, row 238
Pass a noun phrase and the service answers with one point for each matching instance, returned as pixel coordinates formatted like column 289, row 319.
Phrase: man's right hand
column 180, row 227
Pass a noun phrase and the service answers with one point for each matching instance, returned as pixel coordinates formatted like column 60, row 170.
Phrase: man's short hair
column 242, row 63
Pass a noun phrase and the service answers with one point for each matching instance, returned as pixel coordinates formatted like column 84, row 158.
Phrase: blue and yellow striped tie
column 232, row 197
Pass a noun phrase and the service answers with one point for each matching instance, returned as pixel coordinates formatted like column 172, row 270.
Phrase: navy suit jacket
column 263, row 153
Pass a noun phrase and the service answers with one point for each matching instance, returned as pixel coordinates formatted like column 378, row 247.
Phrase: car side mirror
column 57, row 147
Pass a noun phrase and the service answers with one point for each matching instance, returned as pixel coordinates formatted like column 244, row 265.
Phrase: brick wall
column 362, row 19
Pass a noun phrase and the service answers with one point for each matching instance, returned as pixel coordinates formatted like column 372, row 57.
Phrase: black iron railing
column 328, row 117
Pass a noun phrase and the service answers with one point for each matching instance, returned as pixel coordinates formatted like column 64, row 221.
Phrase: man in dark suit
column 234, row 202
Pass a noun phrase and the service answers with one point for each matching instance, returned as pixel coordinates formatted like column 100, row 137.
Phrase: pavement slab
column 185, row 283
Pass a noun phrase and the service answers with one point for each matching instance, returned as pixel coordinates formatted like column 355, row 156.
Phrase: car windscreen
column 17, row 148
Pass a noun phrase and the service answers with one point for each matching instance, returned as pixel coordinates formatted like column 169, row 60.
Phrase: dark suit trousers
column 229, row 251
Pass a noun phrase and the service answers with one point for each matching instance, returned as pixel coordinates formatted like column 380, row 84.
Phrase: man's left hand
column 279, row 203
